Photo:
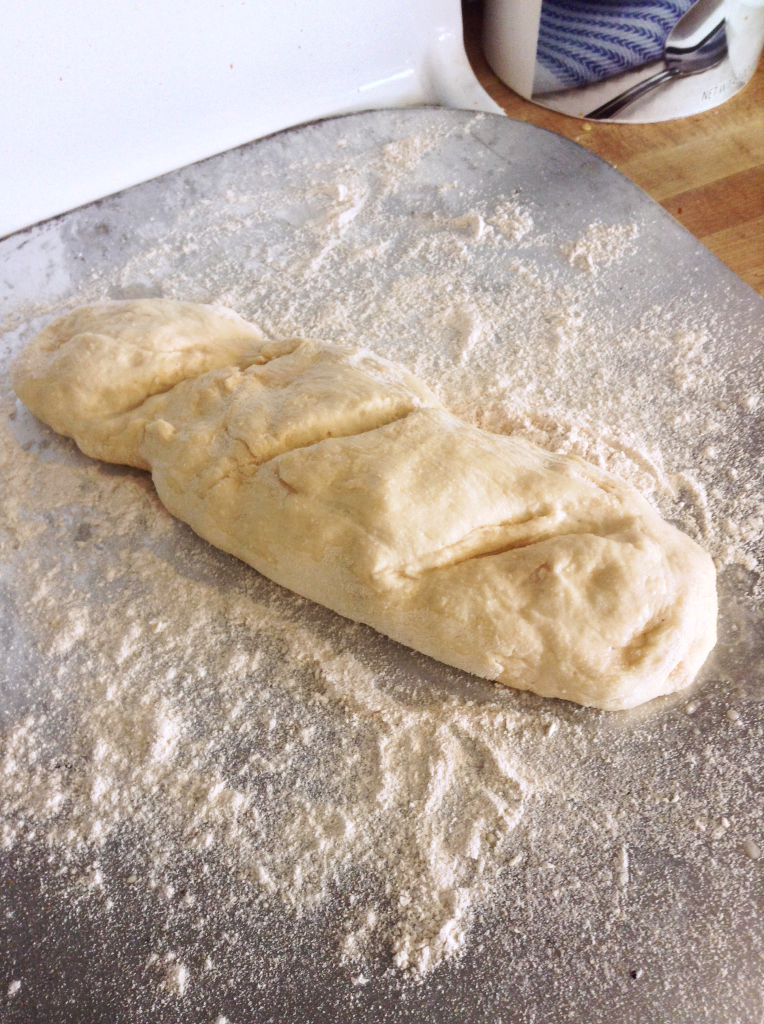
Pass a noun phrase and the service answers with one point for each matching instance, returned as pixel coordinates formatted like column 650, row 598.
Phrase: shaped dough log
column 341, row 476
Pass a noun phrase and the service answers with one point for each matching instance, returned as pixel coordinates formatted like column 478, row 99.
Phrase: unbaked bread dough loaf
column 341, row 476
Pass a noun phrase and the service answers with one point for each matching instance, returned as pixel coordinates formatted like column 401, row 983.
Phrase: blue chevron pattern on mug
column 585, row 41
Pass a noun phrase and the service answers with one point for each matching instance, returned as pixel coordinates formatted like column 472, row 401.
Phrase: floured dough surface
column 338, row 474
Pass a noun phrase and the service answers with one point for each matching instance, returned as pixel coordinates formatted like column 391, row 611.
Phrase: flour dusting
column 227, row 752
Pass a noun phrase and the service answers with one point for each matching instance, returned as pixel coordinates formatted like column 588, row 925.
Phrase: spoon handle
column 624, row 98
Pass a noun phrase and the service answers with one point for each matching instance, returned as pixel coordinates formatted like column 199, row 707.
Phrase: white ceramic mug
column 582, row 57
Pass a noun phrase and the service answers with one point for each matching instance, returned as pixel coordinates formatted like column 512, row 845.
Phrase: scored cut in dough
column 340, row 475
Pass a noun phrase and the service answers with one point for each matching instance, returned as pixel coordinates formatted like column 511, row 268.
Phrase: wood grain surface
column 706, row 170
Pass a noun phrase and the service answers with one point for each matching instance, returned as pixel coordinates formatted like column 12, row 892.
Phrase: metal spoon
column 696, row 43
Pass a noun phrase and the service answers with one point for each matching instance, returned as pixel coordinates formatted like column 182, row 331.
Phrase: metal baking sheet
column 681, row 943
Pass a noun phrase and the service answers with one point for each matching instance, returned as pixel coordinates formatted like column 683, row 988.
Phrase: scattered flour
column 207, row 714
